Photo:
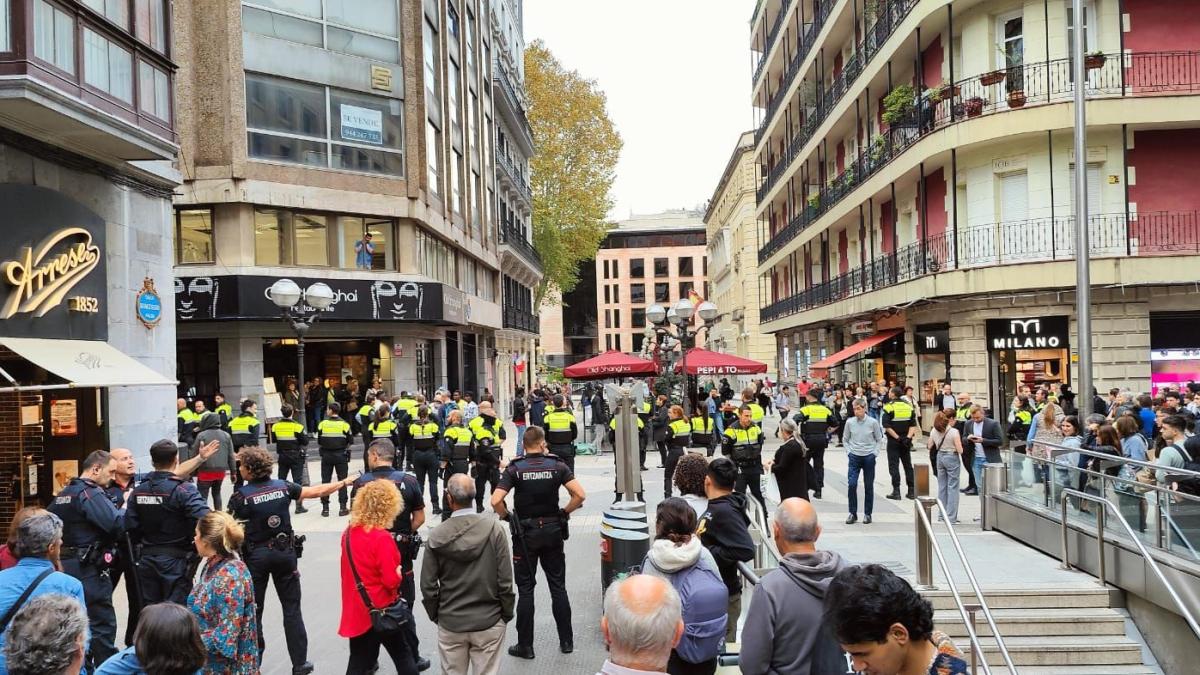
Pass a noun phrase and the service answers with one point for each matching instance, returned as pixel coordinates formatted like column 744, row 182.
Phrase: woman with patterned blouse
column 222, row 598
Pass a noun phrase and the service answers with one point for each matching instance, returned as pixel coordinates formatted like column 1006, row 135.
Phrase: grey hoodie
column 210, row 430
column 784, row 631
column 467, row 574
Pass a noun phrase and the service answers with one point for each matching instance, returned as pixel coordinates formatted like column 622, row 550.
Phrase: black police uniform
column 538, row 535
column 333, row 439
column 424, row 456
column 291, row 446
column 679, row 435
column 815, row 420
column 744, row 446
column 457, row 450
column 489, row 435
column 407, row 541
column 161, row 517
column 899, row 416
column 270, row 551
column 91, row 525
column 561, row 431
column 122, row 566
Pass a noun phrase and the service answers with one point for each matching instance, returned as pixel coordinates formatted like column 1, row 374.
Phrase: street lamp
column 679, row 315
column 300, row 310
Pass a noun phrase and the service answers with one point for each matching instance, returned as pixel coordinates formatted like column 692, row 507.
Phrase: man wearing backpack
column 1181, row 452
column 784, row 627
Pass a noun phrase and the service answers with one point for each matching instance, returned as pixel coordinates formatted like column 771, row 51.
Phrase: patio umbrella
column 610, row 364
column 704, row 362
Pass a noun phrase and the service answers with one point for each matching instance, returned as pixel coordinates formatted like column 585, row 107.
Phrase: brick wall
column 16, row 441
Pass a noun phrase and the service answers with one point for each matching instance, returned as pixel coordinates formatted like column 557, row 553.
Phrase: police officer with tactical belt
column 816, row 420
column 381, row 456
column 539, row 528
column 333, row 440
column 423, row 455
column 271, row 547
column 161, row 518
column 489, row 435
column 91, row 526
column 679, row 435
column 223, row 410
column 645, row 428
column 743, row 443
column 458, row 448
column 383, row 426
column 291, row 446
column 187, row 423
column 561, row 432
column 243, row 430
column 900, row 425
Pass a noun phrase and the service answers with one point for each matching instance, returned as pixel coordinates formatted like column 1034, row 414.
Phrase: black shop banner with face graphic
column 247, row 298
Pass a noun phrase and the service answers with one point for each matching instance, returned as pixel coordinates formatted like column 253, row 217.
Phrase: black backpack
column 1189, row 484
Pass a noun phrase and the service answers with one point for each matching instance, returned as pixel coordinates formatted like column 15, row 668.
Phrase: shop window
column 637, row 268
column 424, row 359
column 662, row 267
column 194, row 236
column 107, row 66
column 377, row 256
column 637, row 293
column 686, row 267
column 662, row 292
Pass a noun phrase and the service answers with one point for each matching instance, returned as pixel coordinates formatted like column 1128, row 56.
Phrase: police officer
column 223, row 410
column 702, row 436
column 161, row 518
column 91, row 526
column 382, row 427
column 423, row 434
column 381, row 457
column 458, row 447
column 291, row 445
column 271, row 547
column 816, row 420
column 364, row 415
column 743, row 443
column 645, row 412
column 333, row 440
column 243, row 430
column 756, row 411
column 899, row 423
column 187, row 422
column 612, row 441
column 561, row 432
column 539, row 528
column 489, row 435
column 962, row 413
column 679, row 435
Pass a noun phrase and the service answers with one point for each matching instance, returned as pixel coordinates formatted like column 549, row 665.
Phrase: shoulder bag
column 384, row 620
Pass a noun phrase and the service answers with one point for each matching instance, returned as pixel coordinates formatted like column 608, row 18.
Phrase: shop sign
column 53, row 278
column 862, row 328
column 1051, row 332
column 362, row 125
column 148, row 304
column 933, row 341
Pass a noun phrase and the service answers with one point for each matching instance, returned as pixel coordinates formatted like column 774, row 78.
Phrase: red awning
column 704, row 362
column 856, row 348
column 610, row 364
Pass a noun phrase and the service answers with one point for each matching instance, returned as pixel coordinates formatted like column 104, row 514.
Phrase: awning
column 82, row 363
column 610, row 364
column 856, row 348
column 705, row 362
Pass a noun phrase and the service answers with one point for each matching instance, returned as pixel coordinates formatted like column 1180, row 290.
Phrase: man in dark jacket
column 724, row 530
column 784, row 630
column 537, row 408
column 212, row 472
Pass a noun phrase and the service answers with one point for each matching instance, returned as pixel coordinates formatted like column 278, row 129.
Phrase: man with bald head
column 642, row 623
column 784, row 627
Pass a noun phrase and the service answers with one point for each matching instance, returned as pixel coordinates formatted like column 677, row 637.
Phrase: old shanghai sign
column 52, row 270
column 1048, row 332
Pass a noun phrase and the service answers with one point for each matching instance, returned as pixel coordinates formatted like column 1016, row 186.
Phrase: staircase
column 1066, row 631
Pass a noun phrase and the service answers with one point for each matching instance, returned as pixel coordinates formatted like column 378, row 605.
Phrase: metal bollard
column 995, row 482
column 925, row 543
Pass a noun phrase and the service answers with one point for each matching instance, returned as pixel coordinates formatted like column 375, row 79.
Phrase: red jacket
column 376, row 559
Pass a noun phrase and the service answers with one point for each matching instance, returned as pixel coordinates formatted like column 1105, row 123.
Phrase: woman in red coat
column 377, row 561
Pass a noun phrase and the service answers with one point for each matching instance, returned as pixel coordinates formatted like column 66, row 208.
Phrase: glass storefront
column 1027, row 352
column 932, row 345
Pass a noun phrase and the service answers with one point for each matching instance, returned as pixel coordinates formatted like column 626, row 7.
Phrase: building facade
column 652, row 259
column 733, row 268
column 87, row 137
column 352, row 144
column 915, row 201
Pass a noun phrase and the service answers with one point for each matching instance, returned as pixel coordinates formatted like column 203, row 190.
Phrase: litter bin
column 620, row 551
column 621, row 524
column 635, row 507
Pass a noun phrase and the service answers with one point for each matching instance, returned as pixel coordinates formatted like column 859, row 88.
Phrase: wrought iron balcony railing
column 519, row 319
column 772, row 36
column 515, row 239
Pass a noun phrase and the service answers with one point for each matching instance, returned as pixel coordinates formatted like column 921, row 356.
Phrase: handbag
column 384, row 620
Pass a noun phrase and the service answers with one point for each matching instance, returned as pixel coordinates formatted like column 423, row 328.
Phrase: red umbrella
column 610, row 364
column 704, row 362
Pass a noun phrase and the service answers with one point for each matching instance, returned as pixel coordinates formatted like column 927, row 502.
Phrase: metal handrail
column 766, row 546
column 1109, row 506
column 1121, row 460
column 924, row 504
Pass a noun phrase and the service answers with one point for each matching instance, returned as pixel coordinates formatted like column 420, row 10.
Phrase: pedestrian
column 816, row 421
column 899, row 424
column 8, row 556
column 1133, row 446
column 371, row 571
column 212, row 473
column 470, row 409
column 862, row 435
column 520, row 415
column 561, row 432
column 743, row 444
column 223, row 599
column 661, row 419
column 689, row 478
column 983, row 433
column 423, row 435
column 291, row 446
column 489, row 435
column 600, row 419
column 1179, row 449
column 272, row 548
column 167, row 642
column 886, row 627
column 537, row 408
column 539, row 528
column 333, row 440
column 291, row 395
column 467, row 585
column 715, row 407
column 946, row 443
column 724, row 530
column 1045, row 429
column 785, row 627
column 790, row 464
column 46, row 637
column 642, row 623
column 186, row 422
column 679, row 436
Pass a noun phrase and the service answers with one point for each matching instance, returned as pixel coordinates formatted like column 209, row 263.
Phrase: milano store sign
column 1050, row 332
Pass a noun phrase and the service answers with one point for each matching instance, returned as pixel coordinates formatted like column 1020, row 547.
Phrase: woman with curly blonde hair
column 222, row 598
column 369, row 545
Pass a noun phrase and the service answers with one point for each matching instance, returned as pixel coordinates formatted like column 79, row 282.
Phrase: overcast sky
column 677, row 76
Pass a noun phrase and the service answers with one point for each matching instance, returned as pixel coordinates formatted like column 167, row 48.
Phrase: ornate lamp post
column 679, row 315
column 300, row 309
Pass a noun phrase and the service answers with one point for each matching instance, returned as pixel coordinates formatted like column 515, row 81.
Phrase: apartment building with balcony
column 87, row 138
column 732, row 234
column 915, row 201
column 307, row 126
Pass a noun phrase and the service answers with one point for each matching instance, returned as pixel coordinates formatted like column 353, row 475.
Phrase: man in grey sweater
column 467, row 584
column 785, row 631
column 861, row 436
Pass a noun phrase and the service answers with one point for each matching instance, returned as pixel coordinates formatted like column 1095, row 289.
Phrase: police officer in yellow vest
column 423, row 435
column 187, row 423
column 223, row 410
column 363, row 416
column 756, row 411
column 333, row 440
column 645, row 411
column 679, row 435
column 962, row 413
column 612, row 441
column 383, row 427
column 743, row 443
column 900, row 425
column 702, row 436
column 458, row 447
column 291, row 444
column 816, row 420
column 243, row 430
column 489, row 435
column 561, row 432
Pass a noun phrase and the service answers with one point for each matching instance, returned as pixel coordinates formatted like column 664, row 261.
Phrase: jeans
column 947, row 477
column 866, row 464
column 521, row 440
column 977, row 469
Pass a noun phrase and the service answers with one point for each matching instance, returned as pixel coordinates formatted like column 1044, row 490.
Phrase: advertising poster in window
column 362, row 125
column 64, row 417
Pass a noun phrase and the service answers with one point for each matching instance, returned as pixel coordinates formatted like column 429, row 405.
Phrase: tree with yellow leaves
column 577, row 148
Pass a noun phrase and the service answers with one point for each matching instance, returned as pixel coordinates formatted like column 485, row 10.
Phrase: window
column 289, row 238
column 616, row 293
column 616, row 318
column 616, row 270
column 637, row 268
column 194, row 236
column 5, row 27
column 662, row 292
column 704, row 262
column 150, row 22
column 638, row 319
column 1089, row 34
column 607, row 298
column 155, row 91
column 471, row 45
column 116, row 11
column 436, row 258
column 433, row 148
column 639, row 340
column 637, row 293
column 1010, row 40
column 267, row 228
column 662, row 267
column 473, row 204
column 685, row 267
column 107, row 66
column 467, row 276
column 288, row 121
column 618, row 342
column 453, row 82
column 430, row 46
column 356, row 255
column 608, row 318
column 608, row 342
column 455, row 187
column 452, row 19
column 367, row 28
column 684, row 288
column 605, row 269
column 311, row 237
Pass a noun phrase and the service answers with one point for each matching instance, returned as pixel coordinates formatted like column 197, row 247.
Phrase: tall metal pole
column 1083, row 297
column 300, row 417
